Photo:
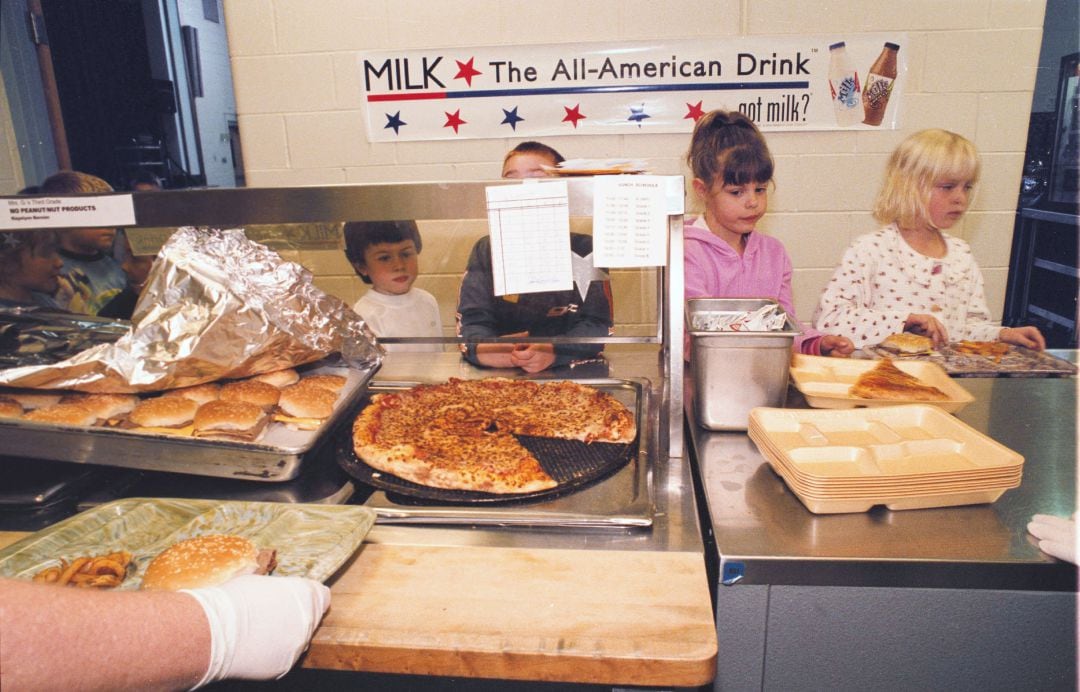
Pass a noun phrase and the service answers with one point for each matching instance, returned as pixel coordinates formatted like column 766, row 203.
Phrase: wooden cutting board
column 610, row 617
column 588, row 616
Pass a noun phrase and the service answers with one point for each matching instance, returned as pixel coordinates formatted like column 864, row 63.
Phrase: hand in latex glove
column 259, row 625
column 1057, row 536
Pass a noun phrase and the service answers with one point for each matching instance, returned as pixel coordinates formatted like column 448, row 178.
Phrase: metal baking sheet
column 624, row 499
column 276, row 456
column 1018, row 362
column 311, row 541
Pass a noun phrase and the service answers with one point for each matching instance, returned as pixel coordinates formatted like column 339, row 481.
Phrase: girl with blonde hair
column 910, row 275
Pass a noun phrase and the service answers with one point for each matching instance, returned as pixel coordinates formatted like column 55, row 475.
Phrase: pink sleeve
column 695, row 271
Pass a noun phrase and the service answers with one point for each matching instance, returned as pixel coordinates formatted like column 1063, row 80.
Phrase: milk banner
column 630, row 88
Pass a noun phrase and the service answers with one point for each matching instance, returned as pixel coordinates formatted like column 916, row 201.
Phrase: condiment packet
column 768, row 318
column 216, row 305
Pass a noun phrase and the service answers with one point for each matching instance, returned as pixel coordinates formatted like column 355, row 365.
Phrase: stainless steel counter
column 764, row 535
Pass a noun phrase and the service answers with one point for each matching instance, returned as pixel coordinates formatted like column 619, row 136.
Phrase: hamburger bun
column 199, row 393
column 279, row 378
column 907, row 343
column 164, row 412
column 31, row 399
column 239, row 420
column 104, row 406
column 200, row 562
column 305, row 408
column 251, row 391
column 9, row 408
column 332, row 383
column 63, row 414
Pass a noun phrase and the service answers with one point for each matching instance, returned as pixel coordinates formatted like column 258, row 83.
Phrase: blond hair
column 71, row 182
column 915, row 166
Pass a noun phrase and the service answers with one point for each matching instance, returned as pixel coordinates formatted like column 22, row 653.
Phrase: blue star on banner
column 512, row 118
column 638, row 114
column 394, row 121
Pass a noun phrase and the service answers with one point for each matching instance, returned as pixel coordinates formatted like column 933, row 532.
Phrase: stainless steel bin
column 735, row 371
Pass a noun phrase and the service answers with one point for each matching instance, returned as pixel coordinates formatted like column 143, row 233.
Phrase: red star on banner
column 573, row 115
column 694, row 111
column 466, row 71
column 454, row 120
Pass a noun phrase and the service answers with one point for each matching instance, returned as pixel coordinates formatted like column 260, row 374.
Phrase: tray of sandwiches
column 195, row 542
column 971, row 358
column 258, row 428
column 848, row 383
column 902, row 457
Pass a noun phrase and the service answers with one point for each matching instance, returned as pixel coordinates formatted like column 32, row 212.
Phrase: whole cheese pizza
column 460, row 435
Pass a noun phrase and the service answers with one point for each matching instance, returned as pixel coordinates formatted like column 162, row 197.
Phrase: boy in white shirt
column 386, row 255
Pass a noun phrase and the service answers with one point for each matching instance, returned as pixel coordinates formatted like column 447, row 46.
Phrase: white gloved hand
column 259, row 625
column 1057, row 535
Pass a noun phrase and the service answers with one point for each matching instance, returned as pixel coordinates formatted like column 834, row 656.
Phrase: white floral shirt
column 882, row 280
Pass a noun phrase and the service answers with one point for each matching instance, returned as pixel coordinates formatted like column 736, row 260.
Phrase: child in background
column 92, row 281
column 530, row 160
column 29, row 269
column 386, row 255
column 724, row 257
column 910, row 276
column 548, row 313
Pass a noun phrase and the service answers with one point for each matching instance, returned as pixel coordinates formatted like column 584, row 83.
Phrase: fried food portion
column 94, row 571
column 993, row 350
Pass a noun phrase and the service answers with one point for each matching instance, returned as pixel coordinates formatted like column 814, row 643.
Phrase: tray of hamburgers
column 967, row 358
column 170, row 544
column 255, row 428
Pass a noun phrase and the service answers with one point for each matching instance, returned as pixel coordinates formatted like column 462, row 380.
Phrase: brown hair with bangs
column 728, row 147
column 915, row 166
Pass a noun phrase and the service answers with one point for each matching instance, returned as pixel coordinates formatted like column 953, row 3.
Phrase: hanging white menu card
column 529, row 226
column 630, row 220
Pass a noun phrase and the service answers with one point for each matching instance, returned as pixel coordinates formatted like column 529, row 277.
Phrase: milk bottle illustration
column 879, row 85
column 844, row 86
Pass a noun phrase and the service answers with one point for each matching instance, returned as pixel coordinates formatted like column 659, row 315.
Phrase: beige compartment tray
column 826, row 382
column 881, row 442
column 904, row 457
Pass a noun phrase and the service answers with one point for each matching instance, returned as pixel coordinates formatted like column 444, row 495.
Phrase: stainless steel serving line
column 241, row 207
column 800, row 597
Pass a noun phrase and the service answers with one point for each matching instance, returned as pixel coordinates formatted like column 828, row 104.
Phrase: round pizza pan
column 572, row 464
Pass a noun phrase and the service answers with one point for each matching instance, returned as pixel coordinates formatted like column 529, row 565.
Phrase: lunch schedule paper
column 630, row 221
column 530, row 237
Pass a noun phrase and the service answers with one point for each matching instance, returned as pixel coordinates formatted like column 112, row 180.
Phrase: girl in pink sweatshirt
column 724, row 257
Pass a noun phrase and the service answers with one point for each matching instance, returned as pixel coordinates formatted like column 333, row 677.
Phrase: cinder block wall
column 971, row 69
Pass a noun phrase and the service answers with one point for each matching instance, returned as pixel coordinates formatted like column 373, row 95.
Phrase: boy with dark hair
column 586, row 312
column 386, row 254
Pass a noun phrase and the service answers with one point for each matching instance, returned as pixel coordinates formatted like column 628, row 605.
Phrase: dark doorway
column 112, row 105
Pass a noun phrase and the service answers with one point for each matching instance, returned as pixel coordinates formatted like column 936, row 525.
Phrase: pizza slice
column 886, row 381
column 571, row 411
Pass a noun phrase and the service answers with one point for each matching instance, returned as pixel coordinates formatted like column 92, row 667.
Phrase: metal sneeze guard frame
column 240, row 207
